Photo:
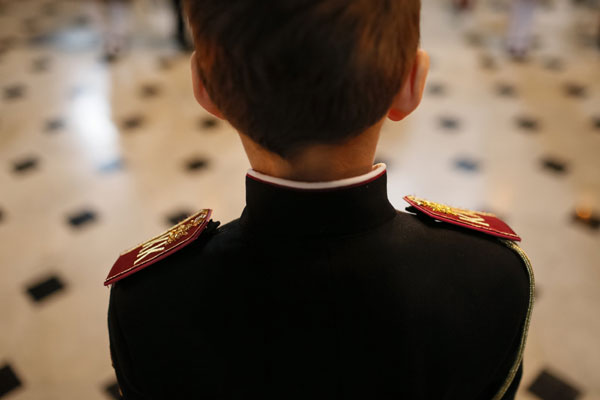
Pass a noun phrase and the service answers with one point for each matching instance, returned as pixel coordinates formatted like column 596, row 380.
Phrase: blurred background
column 102, row 146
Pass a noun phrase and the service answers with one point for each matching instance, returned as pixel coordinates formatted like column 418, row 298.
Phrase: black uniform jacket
column 328, row 294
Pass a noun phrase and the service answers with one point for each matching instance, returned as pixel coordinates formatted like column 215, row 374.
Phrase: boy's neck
column 318, row 163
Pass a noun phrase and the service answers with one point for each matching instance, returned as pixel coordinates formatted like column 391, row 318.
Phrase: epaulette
column 476, row 220
column 163, row 245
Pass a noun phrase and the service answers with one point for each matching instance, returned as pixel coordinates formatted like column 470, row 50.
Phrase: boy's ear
column 200, row 92
column 409, row 97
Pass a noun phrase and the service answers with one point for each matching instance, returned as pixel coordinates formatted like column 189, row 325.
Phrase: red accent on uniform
column 124, row 266
column 496, row 227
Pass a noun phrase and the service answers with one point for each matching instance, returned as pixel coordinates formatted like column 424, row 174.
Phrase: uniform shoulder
column 478, row 279
column 172, row 241
column 476, row 245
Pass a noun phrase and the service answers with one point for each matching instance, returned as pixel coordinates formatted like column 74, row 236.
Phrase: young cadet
column 321, row 289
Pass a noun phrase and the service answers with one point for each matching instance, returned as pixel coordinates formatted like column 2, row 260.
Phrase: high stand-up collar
column 279, row 207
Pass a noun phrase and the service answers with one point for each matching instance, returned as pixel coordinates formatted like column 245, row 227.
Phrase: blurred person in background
column 518, row 36
column 117, row 32
column 116, row 28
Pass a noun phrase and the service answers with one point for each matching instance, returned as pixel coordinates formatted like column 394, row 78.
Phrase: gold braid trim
column 517, row 363
column 444, row 209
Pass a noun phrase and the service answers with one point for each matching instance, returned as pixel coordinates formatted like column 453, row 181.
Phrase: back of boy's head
column 293, row 73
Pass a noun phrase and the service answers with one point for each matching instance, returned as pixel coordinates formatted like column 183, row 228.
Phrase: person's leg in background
column 520, row 28
column 180, row 28
column 116, row 29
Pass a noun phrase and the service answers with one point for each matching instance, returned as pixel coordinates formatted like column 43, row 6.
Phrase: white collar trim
column 378, row 169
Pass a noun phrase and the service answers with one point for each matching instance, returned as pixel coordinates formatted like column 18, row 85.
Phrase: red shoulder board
column 476, row 220
column 159, row 247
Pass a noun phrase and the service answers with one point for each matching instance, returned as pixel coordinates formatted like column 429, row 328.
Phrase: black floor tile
column 112, row 390
column 49, row 9
column 41, row 290
column 590, row 40
column 8, row 380
column 54, row 125
column 575, row 90
column 111, row 166
column 488, row 62
column 177, row 216
column 7, row 43
column 474, row 39
column 40, row 64
column 42, row 39
column 25, row 164
column 81, row 219
column 528, row 124
column 30, row 25
column 449, row 123
column 109, row 58
column 550, row 387
column 133, row 122
column 14, row 92
column 149, row 90
column 506, row 90
column 208, row 123
column 81, row 21
column 519, row 56
column 554, row 64
column 436, row 89
column 196, row 164
column 555, row 165
column 165, row 63
column 467, row 164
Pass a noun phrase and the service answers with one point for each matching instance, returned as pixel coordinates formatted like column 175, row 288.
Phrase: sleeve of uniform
column 508, row 389
column 507, row 380
column 512, row 390
column 119, row 353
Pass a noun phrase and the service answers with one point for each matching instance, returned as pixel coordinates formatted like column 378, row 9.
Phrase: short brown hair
column 290, row 73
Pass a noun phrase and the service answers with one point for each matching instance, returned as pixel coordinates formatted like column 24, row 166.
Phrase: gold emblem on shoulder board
column 171, row 236
column 182, row 228
column 477, row 220
column 463, row 214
